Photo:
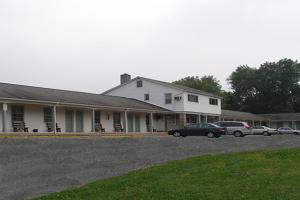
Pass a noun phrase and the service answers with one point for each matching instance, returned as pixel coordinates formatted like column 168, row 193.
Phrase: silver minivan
column 236, row 128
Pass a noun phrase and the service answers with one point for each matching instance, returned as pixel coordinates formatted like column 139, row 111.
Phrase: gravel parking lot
column 34, row 167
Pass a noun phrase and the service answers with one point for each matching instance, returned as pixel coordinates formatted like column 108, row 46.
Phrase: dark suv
column 238, row 129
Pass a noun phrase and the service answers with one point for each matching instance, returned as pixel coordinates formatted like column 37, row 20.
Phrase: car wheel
column 210, row 135
column 238, row 134
column 296, row 133
column 266, row 133
column 176, row 134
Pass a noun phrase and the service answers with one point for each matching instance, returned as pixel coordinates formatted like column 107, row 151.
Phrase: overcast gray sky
column 85, row 45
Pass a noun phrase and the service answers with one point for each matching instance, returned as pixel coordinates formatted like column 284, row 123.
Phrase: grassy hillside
column 253, row 175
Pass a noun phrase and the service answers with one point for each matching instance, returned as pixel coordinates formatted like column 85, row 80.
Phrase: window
column 139, row 83
column 178, row 98
column 48, row 114
column 17, row 113
column 193, row 98
column 213, row 101
column 168, row 98
column 147, row 97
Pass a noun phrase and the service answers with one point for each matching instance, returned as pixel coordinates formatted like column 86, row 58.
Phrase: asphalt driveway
column 34, row 167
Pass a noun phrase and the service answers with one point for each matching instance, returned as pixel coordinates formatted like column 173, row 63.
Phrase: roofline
column 48, row 88
column 81, row 105
column 118, row 86
column 284, row 120
column 162, row 83
column 280, row 113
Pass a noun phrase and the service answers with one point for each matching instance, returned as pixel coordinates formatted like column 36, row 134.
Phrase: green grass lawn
column 251, row 175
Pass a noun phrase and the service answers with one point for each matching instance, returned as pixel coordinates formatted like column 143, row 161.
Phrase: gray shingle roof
column 237, row 115
column 172, row 85
column 21, row 92
column 283, row 116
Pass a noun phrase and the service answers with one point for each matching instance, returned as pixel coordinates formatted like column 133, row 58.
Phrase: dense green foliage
column 264, row 175
column 205, row 83
column 272, row 88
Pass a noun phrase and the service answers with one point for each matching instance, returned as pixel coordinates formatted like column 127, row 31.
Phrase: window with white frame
column 193, row 98
column 17, row 113
column 168, row 98
column 139, row 83
column 147, row 97
column 178, row 98
column 213, row 101
column 48, row 113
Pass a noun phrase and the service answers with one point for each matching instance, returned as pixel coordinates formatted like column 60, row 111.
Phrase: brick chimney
column 125, row 78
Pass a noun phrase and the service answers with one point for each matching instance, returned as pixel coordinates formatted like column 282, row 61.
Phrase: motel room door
column 69, row 121
column 79, row 121
column 130, row 122
column 137, row 123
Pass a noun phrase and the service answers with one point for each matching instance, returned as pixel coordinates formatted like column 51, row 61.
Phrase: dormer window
column 139, row 83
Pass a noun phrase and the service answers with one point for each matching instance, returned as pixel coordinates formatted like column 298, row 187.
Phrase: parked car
column 288, row 130
column 238, row 129
column 200, row 129
column 263, row 130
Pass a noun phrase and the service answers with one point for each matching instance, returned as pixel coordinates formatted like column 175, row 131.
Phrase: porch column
column 206, row 120
column 4, row 117
column 93, row 120
column 126, row 121
column 151, row 122
column 253, row 123
column 133, row 122
column 54, row 119
column 182, row 119
column 199, row 118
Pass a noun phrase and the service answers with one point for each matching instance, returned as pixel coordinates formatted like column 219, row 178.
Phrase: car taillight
column 247, row 127
column 222, row 130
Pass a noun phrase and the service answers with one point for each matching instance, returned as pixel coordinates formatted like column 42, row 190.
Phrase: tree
column 230, row 101
column 205, row 83
column 272, row 88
